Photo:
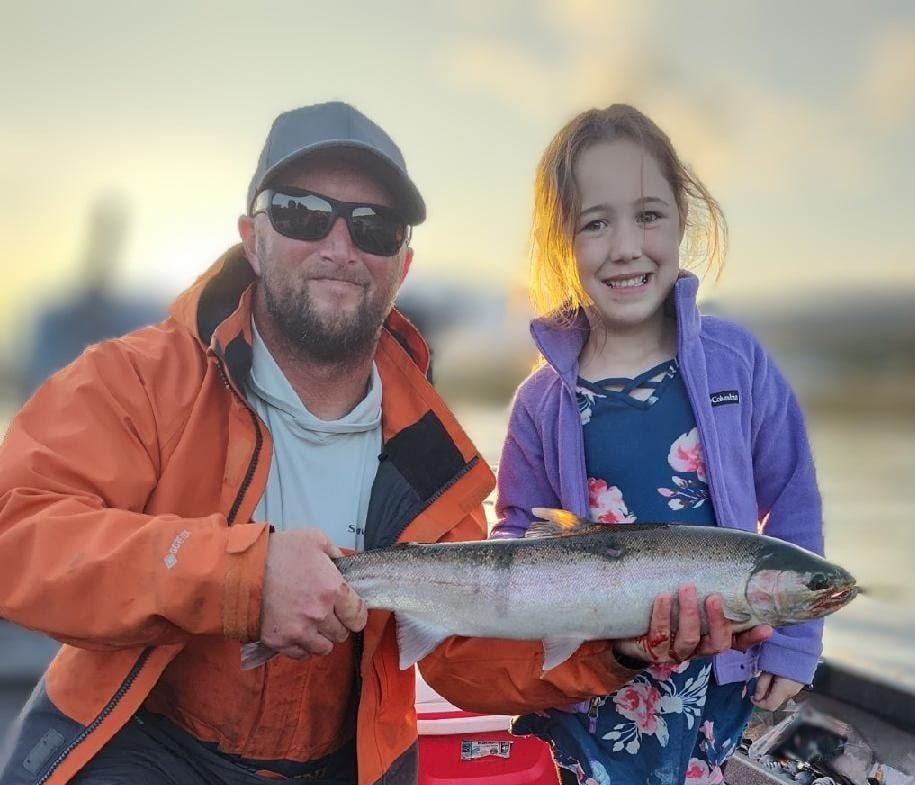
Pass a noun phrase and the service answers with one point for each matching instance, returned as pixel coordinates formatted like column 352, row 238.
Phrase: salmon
column 569, row 581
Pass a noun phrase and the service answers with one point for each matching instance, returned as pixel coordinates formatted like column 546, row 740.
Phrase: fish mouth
column 833, row 600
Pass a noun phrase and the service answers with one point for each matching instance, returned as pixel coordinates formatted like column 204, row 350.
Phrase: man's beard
column 331, row 339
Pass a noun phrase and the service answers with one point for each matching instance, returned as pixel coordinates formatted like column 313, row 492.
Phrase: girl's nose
column 626, row 243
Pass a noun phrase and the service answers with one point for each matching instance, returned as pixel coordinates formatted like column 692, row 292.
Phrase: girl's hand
column 772, row 691
column 659, row 645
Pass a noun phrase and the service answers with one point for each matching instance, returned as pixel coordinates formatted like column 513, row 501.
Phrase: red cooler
column 461, row 748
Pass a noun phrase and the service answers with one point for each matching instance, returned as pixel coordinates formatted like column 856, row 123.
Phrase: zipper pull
column 593, row 710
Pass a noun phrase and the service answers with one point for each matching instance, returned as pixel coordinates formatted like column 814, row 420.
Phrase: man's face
column 326, row 298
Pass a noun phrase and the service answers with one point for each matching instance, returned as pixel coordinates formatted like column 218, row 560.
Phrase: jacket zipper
column 258, row 444
column 108, row 708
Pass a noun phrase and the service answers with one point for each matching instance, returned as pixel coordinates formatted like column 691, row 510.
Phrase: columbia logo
column 724, row 397
column 171, row 558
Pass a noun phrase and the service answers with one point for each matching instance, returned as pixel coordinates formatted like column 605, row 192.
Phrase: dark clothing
column 150, row 750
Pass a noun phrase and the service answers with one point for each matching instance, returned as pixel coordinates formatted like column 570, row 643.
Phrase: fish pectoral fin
column 740, row 620
column 416, row 638
column 558, row 523
column 558, row 650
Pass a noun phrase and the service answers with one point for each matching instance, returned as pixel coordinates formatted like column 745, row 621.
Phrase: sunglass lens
column 375, row 233
column 301, row 217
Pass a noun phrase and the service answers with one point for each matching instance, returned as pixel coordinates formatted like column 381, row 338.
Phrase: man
column 181, row 491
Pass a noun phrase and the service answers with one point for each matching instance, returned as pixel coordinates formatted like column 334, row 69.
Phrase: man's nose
column 338, row 244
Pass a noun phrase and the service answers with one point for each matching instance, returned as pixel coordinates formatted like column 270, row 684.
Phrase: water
column 866, row 473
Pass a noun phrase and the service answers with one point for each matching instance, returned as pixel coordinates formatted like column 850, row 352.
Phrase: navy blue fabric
column 672, row 724
column 663, row 728
column 46, row 733
column 646, row 449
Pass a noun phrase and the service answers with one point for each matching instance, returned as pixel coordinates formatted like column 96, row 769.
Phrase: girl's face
column 627, row 237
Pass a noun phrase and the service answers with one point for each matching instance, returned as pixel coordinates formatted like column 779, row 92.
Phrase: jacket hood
column 216, row 310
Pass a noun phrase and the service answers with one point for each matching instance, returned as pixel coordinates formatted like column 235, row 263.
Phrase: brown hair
column 555, row 287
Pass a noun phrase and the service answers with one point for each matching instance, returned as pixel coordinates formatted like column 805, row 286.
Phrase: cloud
column 736, row 125
column 887, row 85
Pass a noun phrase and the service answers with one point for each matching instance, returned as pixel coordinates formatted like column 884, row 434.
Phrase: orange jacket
column 127, row 485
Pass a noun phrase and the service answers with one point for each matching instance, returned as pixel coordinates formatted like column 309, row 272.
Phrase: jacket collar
column 216, row 309
column 561, row 343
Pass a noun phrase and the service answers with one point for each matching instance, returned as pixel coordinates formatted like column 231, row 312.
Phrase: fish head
column 793, row 585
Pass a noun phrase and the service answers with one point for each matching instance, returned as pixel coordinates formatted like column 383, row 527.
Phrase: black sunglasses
column 305, row 215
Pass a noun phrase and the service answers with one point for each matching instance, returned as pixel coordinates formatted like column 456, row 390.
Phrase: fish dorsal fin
column 416, row 638
column 558, row 650
column 558, row 523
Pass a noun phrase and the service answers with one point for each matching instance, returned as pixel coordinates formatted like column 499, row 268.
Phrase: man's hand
column 772, row 691
column 307, row 606
column 659, row 644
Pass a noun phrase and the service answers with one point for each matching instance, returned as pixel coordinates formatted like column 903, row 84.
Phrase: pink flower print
column 639, row 702
column 607, row 503
column 708, row 730
column 663, row 670
column 686, row 454
column 698, row 773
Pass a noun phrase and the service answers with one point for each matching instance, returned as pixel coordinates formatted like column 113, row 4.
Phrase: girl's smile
column 633, row 283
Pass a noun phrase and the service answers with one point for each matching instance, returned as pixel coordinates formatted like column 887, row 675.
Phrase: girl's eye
column 648, row 217
column 594, row 226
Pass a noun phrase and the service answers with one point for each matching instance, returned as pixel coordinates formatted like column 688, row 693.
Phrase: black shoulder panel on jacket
column 425, row 455
column 220, row 296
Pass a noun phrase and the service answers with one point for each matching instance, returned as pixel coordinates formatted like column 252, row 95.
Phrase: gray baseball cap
column 300, row 132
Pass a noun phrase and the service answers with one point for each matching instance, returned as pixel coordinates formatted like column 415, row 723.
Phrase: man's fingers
column 333, row 630
column 332, row 550
column 294, row 652
column 351, row 611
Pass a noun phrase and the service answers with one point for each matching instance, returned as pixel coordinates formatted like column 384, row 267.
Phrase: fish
column 569, row 580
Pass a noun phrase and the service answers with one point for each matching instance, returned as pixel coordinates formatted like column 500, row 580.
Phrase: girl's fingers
column 689, row 627
column 718, row 637
column 657, row 640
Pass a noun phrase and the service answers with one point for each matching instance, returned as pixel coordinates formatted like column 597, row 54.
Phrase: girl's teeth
column 628, row 282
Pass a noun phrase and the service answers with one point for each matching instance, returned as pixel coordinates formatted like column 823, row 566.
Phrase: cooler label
column 472, row 750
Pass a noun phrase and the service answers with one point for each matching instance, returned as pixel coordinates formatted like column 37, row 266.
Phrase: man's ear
column 248, row 240
column 407, row 260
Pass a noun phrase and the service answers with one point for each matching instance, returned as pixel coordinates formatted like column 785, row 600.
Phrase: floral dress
column 672, row 723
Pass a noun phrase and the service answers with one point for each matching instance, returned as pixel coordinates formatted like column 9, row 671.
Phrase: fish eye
column 818, row 582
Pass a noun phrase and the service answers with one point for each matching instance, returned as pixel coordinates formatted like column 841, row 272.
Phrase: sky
column 798, row 116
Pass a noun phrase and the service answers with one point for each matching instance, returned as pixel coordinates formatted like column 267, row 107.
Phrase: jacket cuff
column 246, row 550
column 788, row 663
column 607, row 673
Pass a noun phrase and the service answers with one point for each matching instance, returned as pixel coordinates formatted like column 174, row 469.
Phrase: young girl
column 646, row 411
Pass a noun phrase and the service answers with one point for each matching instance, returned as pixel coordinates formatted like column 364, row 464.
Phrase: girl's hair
column 555, row 287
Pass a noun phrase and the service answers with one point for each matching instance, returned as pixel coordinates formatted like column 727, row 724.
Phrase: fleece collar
column 561, row 343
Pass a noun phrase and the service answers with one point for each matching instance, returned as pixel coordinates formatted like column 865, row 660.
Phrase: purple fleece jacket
column 760, row 470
